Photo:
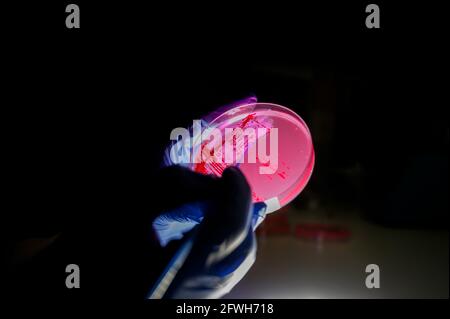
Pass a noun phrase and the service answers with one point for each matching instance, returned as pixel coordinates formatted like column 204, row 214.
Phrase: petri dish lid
column 283, row 170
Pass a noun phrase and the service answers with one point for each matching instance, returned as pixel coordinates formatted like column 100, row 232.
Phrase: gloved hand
column 172, row 225
column 214, row 218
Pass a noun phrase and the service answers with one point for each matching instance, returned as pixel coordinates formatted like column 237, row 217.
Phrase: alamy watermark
column 237, row 146
column 373, row 277
column 73, row 277
column 73, row 17
column 373, row 19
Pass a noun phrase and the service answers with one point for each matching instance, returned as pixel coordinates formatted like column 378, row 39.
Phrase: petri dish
column 271, row 145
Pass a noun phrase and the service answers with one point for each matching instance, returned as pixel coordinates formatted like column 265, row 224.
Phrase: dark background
column 86, row 113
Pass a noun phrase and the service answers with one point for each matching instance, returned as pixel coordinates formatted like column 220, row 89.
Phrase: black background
column 87, row 112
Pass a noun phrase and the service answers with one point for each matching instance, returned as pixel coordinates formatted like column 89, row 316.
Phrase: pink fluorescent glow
column 295, row 150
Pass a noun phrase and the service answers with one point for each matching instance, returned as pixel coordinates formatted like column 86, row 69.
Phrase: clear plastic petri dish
column 270, row 144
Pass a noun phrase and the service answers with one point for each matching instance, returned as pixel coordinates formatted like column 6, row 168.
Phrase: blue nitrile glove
column 218, row 243
column 174, row 224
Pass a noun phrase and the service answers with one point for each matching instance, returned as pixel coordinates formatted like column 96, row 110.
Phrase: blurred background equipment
column 379, row 189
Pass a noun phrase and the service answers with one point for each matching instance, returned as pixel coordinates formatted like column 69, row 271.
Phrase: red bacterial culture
column 276, row 179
